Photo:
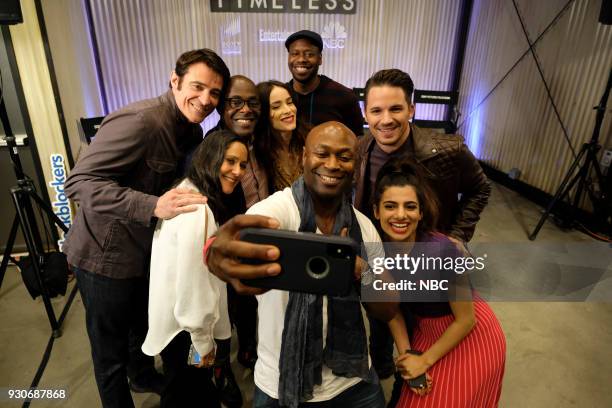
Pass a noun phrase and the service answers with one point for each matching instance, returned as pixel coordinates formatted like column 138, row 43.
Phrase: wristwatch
column 367, row 276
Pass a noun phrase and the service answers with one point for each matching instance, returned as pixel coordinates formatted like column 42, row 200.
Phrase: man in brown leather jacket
column 460, row 184
column 456, row 177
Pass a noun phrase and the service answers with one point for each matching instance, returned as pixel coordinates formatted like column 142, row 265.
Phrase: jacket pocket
column 110, row 247
column 161, row 174
column 161, row 166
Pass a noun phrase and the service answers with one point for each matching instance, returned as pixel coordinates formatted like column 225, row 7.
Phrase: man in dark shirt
column 120, row 183
column 318, row 98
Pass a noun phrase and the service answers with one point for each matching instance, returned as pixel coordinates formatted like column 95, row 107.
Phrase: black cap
column 311, row 36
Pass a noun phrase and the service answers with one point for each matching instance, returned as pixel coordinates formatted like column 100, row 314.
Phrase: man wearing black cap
column 318, row 98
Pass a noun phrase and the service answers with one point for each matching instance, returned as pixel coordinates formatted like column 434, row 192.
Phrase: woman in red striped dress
column 457, row 341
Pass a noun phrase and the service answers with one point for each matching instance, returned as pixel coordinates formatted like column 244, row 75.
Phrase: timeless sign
column 284, row 6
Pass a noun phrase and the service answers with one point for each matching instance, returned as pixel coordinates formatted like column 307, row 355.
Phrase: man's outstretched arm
column 223, row 254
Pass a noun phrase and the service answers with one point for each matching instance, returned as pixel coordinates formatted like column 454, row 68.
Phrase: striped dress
column 470, row 375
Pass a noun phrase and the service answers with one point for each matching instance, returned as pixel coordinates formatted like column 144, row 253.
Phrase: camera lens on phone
column 317, row 267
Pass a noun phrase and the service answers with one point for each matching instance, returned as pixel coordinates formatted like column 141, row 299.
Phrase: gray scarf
column 302, row 354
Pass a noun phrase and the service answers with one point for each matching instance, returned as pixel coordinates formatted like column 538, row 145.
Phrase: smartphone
column 311, row 263
column 418, row 382
column 194, row 357
column 421, row 380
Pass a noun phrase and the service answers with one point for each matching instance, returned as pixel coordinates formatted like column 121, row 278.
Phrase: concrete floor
column 559, row 354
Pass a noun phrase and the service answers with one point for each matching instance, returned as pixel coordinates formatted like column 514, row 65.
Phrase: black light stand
column 22, row 196
column 589, row 151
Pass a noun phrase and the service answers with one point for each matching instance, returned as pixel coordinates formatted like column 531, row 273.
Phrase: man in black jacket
column 461, row 187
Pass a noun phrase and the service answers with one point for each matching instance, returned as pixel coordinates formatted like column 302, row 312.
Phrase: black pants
column 186, row 386
column 381, row 345
column 243, row 314
column 116, row 319
column 381, row 342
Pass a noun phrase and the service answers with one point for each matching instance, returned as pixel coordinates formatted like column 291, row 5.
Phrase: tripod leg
column 49, row 211
column 9, row 248
column 23, row 206
column 585, row 183
column 592, row 162
column 582, row 185
column 561, row 192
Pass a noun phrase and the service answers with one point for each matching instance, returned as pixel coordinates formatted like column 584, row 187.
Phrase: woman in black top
column 457, row 340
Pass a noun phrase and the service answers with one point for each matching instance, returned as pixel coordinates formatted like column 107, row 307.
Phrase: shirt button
column 433, row 150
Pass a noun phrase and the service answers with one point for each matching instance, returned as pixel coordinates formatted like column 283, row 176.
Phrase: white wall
column 139, row 41
column 72, row 55
column 515, row 126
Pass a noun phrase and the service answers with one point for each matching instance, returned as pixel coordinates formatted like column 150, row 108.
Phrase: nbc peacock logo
column 334, row 35
column 230, row 37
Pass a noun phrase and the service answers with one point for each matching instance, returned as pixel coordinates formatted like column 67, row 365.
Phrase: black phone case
column 421, row 380
column 311, row 263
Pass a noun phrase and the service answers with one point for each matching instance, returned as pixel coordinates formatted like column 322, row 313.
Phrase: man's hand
column 360, row 264
column 223, row 254
column 460, row 245
column 177, row 201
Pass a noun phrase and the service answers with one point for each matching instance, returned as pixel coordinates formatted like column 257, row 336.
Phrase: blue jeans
column 117, row 323
column 361, row 395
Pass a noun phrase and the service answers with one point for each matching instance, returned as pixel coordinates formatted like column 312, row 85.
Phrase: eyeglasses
column 238, row 103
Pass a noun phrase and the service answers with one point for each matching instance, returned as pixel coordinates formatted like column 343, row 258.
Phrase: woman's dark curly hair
column 402, row 171
column 204, row 173
column 267, row 143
